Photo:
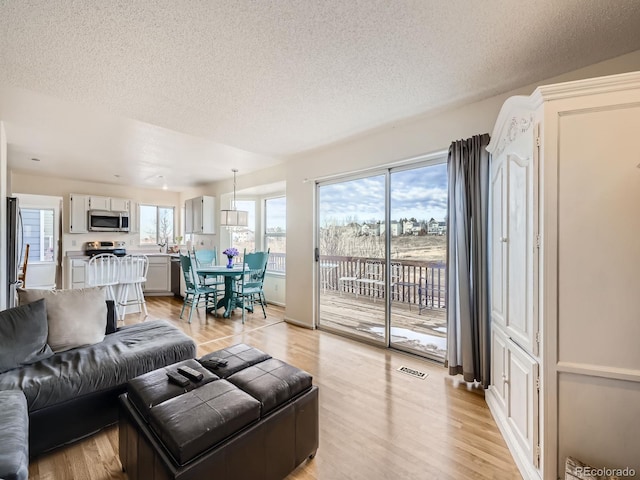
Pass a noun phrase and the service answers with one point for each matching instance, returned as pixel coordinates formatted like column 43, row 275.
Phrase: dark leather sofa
column 75, row 393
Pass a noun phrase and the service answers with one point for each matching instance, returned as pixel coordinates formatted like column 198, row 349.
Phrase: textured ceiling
column 244, row 83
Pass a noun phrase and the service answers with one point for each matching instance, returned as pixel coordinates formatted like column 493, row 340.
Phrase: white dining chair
column 133, row 273
column 103, row 271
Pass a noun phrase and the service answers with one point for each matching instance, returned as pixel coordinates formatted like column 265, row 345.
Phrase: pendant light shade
column 233, row 217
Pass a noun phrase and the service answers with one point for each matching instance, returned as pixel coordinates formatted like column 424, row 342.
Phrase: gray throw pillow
column 76, row 317
column 23, row 335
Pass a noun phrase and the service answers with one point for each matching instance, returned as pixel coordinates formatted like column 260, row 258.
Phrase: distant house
column 411, row 228
column 432, row 227
column 436, row 228
column 372, row 229
column 396, row 228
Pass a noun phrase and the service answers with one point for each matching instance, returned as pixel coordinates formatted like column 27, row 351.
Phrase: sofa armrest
column 112, row 321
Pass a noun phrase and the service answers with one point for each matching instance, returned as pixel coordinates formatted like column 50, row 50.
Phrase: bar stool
column 103, row 271
column 133, row 273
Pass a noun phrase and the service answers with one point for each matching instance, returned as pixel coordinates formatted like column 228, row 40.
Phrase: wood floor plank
column 375, row 422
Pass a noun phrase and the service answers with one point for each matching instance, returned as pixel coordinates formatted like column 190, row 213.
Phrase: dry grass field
column 431, row 248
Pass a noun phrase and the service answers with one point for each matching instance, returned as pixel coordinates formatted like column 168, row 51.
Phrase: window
column 245, row 237
column 37, row 231
column 275, row 232
column 156, row 224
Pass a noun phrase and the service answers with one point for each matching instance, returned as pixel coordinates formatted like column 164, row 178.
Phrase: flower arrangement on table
column 230, row 253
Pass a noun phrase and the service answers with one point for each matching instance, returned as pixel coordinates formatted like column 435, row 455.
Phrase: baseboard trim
column 527, row 470
column 298, row 323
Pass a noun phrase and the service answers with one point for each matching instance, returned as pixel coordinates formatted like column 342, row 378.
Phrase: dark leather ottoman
column 255, row 418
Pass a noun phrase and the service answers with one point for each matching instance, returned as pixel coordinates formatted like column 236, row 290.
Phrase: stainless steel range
column 96, row 248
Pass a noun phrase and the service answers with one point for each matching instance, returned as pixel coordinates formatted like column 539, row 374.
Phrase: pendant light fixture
column 233, row 217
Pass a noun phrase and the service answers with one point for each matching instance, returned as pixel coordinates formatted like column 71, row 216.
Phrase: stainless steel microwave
column 106, row 221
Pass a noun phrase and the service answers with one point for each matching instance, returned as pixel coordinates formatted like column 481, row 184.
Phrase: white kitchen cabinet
column 200, row 215
column 134, row 217
column 197, row 211
column 75, row 276
column 158, row 275
column 99, row 203
column 564, row 275
column 119, row 205
column 108, row 203
column 188, row 215
column 78, row 208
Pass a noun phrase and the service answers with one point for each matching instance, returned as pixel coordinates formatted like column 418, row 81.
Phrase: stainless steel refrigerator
column 14, row 248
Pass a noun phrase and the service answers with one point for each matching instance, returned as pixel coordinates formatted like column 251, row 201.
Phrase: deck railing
column 413, row 282
column 276, row 263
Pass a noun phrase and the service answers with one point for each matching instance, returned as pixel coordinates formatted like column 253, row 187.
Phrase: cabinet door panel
column 134, row 217
column 499, row 286
column 99, row 203
column 519, row 319
column 208, row 215
column 499, row 381
column 522, row 408
column 158, row 276
column 188, row 216
column 197, row 215
column 119, row 205
column 78, row 209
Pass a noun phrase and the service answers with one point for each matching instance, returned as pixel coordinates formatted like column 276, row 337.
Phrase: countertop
column 80, row 255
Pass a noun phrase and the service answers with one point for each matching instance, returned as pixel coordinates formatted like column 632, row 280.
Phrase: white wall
column 407, row 139
column 3, row 217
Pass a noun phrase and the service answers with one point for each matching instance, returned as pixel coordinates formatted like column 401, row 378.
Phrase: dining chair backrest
column 22, row 275
column 190, row 277
column 255, row 265
column 133, row 269
column 103, row 269
column 206, row 258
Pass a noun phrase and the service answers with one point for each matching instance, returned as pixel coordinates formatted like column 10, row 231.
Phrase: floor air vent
column 413, row 373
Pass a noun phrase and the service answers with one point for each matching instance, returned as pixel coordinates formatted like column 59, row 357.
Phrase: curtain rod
column 399, row 163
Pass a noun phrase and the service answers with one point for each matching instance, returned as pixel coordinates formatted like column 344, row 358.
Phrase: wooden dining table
column 230, row 301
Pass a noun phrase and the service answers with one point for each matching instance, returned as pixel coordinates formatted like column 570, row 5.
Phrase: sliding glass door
column 418, row 259
column 381, row 251
column 352, row 257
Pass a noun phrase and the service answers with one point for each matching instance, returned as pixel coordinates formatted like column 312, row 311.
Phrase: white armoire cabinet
column 565, row 275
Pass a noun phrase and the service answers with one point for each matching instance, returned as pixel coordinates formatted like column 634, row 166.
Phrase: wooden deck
column 422, row 330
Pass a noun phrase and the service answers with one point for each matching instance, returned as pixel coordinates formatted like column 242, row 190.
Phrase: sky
column 420, row 193
column 276, row 213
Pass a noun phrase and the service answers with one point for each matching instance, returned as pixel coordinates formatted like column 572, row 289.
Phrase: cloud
column 420, row 193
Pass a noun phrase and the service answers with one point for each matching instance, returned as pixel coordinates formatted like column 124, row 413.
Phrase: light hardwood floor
column 375, row 422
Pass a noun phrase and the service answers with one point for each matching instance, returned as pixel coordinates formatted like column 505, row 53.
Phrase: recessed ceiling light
column 164, row 187
column 35, row 159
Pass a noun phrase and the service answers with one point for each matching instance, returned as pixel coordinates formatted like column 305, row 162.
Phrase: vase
column 229, row 262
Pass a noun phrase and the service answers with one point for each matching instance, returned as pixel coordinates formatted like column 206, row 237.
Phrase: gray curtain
column 468, row 338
